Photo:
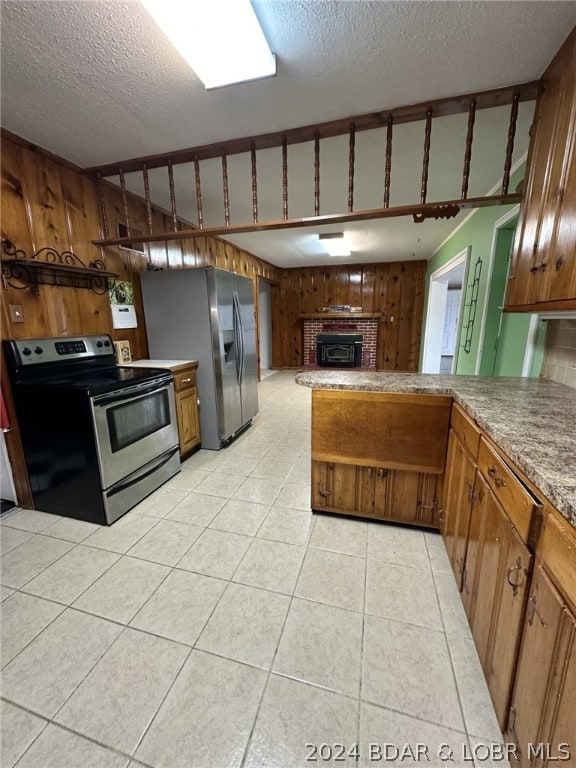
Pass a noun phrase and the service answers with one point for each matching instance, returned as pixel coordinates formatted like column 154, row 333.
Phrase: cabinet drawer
column 518, row 502
column 466, row 428
column 185, row 379
column 559, row 553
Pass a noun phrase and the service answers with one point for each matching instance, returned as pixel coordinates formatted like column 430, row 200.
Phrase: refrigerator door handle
column 240, row 336
column 237, row 335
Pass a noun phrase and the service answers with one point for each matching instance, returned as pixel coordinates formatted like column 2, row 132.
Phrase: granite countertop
column 532, row 420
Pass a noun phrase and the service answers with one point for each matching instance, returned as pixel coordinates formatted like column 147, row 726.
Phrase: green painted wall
column 510, row 331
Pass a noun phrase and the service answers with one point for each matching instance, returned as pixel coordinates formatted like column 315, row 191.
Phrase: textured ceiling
column 96, row 82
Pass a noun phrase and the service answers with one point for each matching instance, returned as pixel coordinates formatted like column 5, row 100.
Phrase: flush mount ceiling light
column 335, row 243
column 221, row 40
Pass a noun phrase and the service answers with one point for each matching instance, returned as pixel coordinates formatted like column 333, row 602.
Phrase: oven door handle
column 131, row 393
column 143, row 472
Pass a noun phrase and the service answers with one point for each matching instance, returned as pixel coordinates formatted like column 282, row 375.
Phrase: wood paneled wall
column 49, row 202
column 396, row 289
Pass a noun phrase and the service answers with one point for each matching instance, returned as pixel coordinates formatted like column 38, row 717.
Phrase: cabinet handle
column 509, row 572
column 324, row 494
column 186, row 381
column 369, row 471
column 497, row 480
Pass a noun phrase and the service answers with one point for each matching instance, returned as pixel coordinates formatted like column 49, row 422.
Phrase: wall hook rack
column 51, row 267
column 468, row 325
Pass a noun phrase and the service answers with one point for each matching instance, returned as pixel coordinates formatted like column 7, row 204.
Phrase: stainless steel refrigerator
column 208, row 315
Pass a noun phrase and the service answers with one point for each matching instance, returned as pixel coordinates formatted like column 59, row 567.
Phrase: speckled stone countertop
column 532, row 420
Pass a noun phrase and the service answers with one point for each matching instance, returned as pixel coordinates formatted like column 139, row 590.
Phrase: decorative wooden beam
column 225, row 188
column 404, row 114
column 317, row 174
column 124, row 200
column 198, row 193
column 351, row 148
column 468, row 152
column 284, row 179
column 426, row 160
column 254, row 184
column 315, row 221
column 510, row 146
column 148, row 200
column 103, row 215
column 172, row 198
column 388, row 164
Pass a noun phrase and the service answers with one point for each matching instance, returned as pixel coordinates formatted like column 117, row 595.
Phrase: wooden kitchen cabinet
column 543, row 269
column 458, row 498
column 497, row 574
column 187, row 409
column 379, row 455
column 376, row 492
column 543, row 705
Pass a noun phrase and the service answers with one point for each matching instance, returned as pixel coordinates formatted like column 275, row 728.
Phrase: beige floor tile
column 258, row 491
column 397, row 544
column 123, row 534
column 407, row 668
column 272, row 469
column 167, row 542
column 331, row 578
column 186, row 480
column 30, row 520
column 477, row 705
column 160, row 503
column 71, row 530
column 271, row 565
column 206, row 719
column 220, row 484
column 5, row 592
column 216, row 553
column 384, row 735
column 11, row 538
column 336, row 534
column 291, row 526
column 30, row 558
column 321, row 644
column 197, row 509
column 239, row 516
column 72, row 574
column 121, row 592
column 180, row 607
column 301, row 474
column 294, row 714
column 451, row 607
column 401, row 593
column 238, row 464
column 48, row 670
column 117, row 700
column 22, row 618
column 437, row 553
column 294, row 496
column 204, row 460
column 59, row 748
column 246, row 625
column 19, row 729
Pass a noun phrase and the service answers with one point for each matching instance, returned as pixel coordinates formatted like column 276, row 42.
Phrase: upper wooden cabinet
column 543, row 270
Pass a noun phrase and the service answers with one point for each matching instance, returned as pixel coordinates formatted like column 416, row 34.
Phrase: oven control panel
column 50, row 350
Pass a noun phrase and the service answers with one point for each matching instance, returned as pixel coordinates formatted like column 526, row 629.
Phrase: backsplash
column 560, row 352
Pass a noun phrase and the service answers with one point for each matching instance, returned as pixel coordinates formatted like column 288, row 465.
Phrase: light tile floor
column 220, row 623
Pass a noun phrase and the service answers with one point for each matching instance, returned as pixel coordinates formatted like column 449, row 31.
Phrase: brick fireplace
column 317, row 325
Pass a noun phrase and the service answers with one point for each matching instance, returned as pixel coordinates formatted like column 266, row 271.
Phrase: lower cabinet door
column 188, row 419
column 542, row 716
column 459, row 482
column 376, row 492
column 497, row 575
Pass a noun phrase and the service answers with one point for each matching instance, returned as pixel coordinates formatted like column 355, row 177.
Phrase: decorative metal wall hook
column 49, row 266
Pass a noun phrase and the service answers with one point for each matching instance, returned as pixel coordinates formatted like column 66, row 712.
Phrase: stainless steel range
column 97, row 438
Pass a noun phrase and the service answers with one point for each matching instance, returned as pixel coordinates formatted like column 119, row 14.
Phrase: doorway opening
column 444, row 315
column 264, row 328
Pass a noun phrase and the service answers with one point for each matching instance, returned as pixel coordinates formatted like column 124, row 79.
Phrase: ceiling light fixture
column 221, row 40
column 335, row 243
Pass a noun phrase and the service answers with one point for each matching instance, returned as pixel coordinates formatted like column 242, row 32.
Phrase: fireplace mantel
column 341, row 315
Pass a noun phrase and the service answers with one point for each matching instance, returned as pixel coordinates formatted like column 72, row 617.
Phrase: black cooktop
column 105, row 379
